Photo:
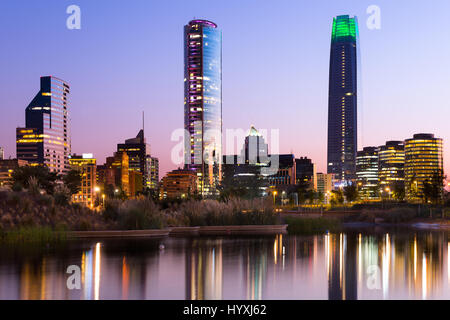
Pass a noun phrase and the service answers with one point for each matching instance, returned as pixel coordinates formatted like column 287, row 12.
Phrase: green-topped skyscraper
column 342, row 99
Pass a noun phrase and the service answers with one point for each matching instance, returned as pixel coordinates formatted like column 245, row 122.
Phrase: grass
column 38, row 235
column 310, row 226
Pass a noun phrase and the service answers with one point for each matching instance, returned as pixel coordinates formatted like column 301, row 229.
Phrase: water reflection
column 346, row 266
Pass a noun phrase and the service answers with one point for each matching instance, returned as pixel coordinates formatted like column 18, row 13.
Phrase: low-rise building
column 7, row 168
column 306, row 172
column 325, row 184
column 178, row 184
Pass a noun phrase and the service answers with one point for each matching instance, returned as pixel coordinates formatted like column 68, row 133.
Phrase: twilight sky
column 128, row 57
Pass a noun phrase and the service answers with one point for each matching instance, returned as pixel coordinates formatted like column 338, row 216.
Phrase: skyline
column 244, row 80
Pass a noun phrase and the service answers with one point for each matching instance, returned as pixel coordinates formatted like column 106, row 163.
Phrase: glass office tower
column 46, row 138
column 391, row 167
column 342, row 100
column 203, row 102
column 423, row 162
column 367, row 173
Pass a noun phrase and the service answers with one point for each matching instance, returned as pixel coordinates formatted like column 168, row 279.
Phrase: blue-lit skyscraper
column 203, row 102
column 342, row 100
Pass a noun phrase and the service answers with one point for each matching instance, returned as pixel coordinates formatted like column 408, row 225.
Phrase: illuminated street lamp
column 103, row 198
column 274, row 195
column 389, row 191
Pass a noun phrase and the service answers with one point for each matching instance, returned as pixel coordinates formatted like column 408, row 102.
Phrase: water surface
column 351, row 265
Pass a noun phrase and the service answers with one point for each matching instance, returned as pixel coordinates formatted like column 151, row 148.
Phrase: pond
column 373, row 264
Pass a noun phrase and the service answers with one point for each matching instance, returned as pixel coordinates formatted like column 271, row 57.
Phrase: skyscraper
column 342, row 99
column 46, row 138
column 2, row 153
column 203, row 102
column 255, row 150
column 423, row 164
column 137, row 150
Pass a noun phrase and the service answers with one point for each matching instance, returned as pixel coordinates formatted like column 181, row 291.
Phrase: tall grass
column 213, row 213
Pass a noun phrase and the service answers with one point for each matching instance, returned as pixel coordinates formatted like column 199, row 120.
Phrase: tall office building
column 45, row 140
column 86, row 165
column 137, row 150
column 2, row 153
column 255, row 150
column 423, row 162
column 153, row 172
column 203, row 103
column 391, row 166
column 367, row 173
column 342, row 100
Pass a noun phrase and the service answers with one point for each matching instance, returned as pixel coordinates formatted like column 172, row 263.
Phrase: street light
column 274, row 195
column 103, row 198
column 389, row 191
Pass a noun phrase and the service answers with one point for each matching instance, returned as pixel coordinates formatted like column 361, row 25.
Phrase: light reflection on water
column 346, row 266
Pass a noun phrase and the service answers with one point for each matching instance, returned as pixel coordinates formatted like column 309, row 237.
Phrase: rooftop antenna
column 143, row 121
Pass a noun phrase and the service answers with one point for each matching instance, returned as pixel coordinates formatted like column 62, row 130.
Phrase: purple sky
column 129, row 57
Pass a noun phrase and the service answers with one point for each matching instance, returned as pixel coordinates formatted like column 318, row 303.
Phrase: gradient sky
column 128, row 57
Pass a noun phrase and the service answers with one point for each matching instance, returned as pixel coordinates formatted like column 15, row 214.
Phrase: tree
column 433, row 188
column 337, row 197
column 351, row 193
column 72, row 180
column 311, row 196
column 41, row 174
column 399, row 192
column 321, row 197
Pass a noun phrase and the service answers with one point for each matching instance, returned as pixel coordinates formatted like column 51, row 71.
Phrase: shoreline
column 183, row 231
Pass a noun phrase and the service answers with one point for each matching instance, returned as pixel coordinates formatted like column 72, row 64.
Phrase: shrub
column 62, row 195
column 140, row 214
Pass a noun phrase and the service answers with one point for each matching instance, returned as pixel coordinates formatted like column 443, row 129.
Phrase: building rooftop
column 202, row 22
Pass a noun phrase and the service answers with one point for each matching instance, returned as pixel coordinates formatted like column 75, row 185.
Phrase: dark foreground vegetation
column 26, row 216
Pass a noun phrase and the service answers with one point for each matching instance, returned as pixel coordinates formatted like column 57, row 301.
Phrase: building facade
column 203, row 103
column 423, row 163
column 153, row 172
column 367, row 173
column 45, row 140
column 255, row 150
column 178, row 184
column 137, row 150
column 325, row 182
column 306, row 172
column 286, row 174
column 7, row 168
column 342, row 99
column 86, row 165
column 391, row 168
column 116, row 174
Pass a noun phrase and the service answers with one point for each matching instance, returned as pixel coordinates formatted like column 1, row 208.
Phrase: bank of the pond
column 184, row 231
